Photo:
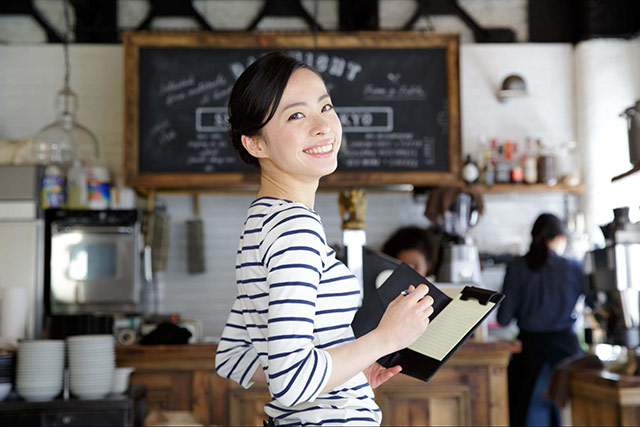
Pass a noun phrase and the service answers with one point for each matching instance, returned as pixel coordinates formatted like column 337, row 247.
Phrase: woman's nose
column 321, row 126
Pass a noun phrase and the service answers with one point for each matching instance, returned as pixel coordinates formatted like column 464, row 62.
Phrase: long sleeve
column 510, row 289
column 293, row 253
column 236, row 358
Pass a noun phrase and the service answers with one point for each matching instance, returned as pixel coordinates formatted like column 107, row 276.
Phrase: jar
column 547, row 169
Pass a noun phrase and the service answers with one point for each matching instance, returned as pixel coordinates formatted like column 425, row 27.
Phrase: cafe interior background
column 579, row 77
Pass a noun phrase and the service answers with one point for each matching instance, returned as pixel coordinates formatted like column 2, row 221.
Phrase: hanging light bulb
column 65, row 140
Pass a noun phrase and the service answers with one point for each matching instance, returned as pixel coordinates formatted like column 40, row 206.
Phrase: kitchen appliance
column 22, row 239
column 92, row 262
column 613, row 276
column 460, row 261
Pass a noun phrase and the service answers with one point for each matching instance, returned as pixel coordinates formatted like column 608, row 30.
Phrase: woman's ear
column 254, row 146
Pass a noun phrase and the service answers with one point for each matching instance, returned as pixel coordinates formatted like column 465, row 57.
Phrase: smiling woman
column 290, row 325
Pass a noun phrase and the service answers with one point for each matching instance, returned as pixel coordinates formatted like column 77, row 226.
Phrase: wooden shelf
column 530, row 188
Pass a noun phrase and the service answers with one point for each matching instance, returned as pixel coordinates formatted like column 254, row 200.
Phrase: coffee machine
column 613, row 280
column 460, row 261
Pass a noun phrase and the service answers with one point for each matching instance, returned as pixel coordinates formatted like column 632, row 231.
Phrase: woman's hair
column 410, row 238
column 256, row 95
column 546, row 228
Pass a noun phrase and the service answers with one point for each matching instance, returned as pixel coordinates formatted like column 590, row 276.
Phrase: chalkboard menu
column 396, row 94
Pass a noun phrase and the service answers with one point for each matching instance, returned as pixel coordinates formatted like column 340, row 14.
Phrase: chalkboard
column 396, row 95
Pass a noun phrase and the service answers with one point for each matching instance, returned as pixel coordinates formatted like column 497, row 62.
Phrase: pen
column 405, row 293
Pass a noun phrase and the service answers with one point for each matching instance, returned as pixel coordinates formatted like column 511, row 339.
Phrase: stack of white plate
column 92, row 362
column 40, row 369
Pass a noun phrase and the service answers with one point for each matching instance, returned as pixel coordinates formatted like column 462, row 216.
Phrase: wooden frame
column 381, row 39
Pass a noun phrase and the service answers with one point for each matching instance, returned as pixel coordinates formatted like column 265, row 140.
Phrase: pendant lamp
column 65, row 140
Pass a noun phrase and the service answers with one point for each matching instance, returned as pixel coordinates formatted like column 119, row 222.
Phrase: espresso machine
column 613, row 280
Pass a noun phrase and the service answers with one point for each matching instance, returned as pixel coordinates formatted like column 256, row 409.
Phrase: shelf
column 530, row 188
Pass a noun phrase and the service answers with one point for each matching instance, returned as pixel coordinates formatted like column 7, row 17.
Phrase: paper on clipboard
column 452, row 324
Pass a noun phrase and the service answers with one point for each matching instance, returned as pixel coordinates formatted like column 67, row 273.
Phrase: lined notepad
column 450, row 327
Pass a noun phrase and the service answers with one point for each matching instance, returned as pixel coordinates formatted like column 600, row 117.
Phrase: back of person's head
column 545, row 229
column 256, row 95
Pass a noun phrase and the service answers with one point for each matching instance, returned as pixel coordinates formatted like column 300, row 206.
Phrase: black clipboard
column 376, row 300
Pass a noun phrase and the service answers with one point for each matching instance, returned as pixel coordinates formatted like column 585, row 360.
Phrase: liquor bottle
column 470, row 171
column 503, row 169
column 489, row 171
column 530, row 164
column 517, row 174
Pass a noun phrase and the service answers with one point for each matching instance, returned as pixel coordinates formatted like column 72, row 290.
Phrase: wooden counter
column 600, row 398
column 471, row 389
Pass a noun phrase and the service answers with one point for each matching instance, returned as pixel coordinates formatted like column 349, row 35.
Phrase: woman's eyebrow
column 302, row 104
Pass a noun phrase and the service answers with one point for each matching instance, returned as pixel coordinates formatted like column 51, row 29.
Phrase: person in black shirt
column 541, row 290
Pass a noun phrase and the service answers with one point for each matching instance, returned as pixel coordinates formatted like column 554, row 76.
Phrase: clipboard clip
column 482, row 295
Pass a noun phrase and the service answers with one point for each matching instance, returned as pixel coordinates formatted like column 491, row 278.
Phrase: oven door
column 94, row 268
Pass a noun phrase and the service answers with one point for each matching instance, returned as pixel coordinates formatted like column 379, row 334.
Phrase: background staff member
column 541, row 290
column 290, row 325
column 413, row 245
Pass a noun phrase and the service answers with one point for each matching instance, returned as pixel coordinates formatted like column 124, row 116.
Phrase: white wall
column 33, row 74
column 608, row 81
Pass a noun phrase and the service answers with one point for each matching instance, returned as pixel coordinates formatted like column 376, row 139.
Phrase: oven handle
column 111, row 229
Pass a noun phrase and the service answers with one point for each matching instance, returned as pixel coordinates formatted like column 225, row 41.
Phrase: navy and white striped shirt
column 295, row 300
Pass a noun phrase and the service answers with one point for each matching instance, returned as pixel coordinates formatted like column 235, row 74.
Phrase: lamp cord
column 65, row 49
column 314, row 28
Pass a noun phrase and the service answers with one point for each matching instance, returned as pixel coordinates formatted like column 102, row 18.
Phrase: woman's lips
column 320, row 149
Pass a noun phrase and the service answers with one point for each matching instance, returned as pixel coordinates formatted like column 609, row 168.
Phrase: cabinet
column 177, row 378
column 600, row 398
column 471, row 389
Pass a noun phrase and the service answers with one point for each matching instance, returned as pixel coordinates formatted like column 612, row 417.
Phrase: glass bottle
column 516, row 166
column 503, row 169
column 530, row 165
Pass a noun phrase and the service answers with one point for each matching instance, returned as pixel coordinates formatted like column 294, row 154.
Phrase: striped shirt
column 295, row 301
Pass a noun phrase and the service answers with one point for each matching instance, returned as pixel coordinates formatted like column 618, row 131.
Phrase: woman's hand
column 405, row 319
column 377, row 374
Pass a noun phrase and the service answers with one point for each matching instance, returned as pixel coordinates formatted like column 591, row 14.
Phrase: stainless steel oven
column 93, row 261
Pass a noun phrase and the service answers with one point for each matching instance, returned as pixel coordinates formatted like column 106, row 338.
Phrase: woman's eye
column 296, row 116
column 327, row 107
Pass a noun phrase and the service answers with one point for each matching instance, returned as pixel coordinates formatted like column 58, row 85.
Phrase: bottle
column 517, row 174
column 53, row 188
column 530, row 165
column 503, row 169
column 98, row 187
column 489, row 172
column 76, row 186
column 470, row 171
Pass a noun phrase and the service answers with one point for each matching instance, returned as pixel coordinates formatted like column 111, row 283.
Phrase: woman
column 541, row 291
column 413, row 246
column 290, row 323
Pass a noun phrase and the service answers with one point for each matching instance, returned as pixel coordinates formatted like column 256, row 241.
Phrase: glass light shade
column 65, row 140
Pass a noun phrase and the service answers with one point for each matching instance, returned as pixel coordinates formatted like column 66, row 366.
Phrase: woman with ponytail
column 541, row 290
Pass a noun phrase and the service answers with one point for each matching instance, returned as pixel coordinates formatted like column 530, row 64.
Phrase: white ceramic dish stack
column 40, row 369
column 91, row 365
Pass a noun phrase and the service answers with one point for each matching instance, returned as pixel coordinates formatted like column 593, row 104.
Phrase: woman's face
column 415, row 259
column 303, row 137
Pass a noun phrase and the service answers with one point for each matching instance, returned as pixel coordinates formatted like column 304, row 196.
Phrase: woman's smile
column 320, row 150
